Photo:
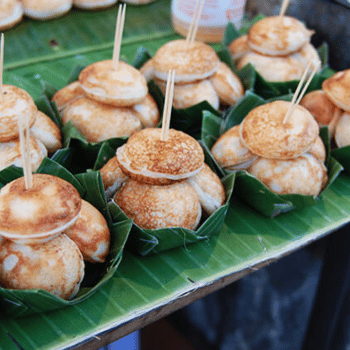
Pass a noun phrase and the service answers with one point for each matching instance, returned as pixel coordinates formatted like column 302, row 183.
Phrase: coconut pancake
column 11, row 13
column 45, row 130
column 148, row 112
column 209, row 189
column 56, row 266
column 112, row 176
column 49, row 207
column 227, row 85
column 325, row 112
column 337, row 88
column 191, row 62
column 98, row 121
column 146, row 158
column 15, row 102
column 302, row 175
column 10, row 153
column 187, row 95
column 121, row 87
column 273, row 68
column 278, row 35
column 230, row 153
column 93, row 4
column 307, row 54
column 342, row 131
column 265, row 134
column 91, row 234
column 154, row 207
column 239, row 47
column 43, row 9
column 67, row 95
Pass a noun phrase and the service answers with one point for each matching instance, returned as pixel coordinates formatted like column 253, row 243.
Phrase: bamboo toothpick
column 169, row 94
column 1, row 63
column 24, row 139
column 118, row 34
column 192, row 32
column 297, row 97
column 283, row 7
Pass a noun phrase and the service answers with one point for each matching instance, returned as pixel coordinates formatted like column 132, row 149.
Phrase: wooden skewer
column 297, row 97
column 24, row 137
column 283, row 7
column 169, row 94
column 1, row 63
column 192, row 32
column 118, row 34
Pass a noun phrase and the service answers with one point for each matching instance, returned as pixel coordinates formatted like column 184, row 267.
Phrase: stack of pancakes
column 45, row 135
column 287, row 156
column 330, row 106
column 278, row 47
column 161, row 183
column 200, row 75
column 106, row 102
column 46, row 233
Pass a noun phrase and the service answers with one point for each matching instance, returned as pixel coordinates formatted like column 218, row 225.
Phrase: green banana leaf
column 342, row 155
column 18, row 303
column 248, row 188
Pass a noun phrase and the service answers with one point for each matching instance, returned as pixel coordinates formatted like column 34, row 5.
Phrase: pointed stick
column 283, row 7
column 297, row 97
column 118, row 34
column 25, row 151
column 169, row 94
column 194, row 33
column 1, row 63
column 190, row 30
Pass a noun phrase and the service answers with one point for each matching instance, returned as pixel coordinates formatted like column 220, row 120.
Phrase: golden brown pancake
column 93, row 4
column 154, row 207
column 45, row 130
column 265, row 134
column 239, row 47
column 325, row 112
column 91, row 234
column 56, row 266
column 67, row 95
column 302, row 175
column 148, row 112
column 337, row 88
column 342, row 131
column 146, row 158
column 121, row 87
column 187, row 95
column 209, row 189
column 44, row 9
column 10, row 153
column 112, row 176
column 98, row 121
column 39, row 213
column 11, row 13
column 230, row 153
column 278, row 35
column 191, row 62
column 227, row 85
column 271, row 68
column 15, row 102
column 318, row 150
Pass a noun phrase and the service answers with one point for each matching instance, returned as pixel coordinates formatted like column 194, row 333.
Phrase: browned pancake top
column 50, row 204
column 265, row 134
column 146, row 153
column 337, row 88
column 191, row 62
column 278, row 35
